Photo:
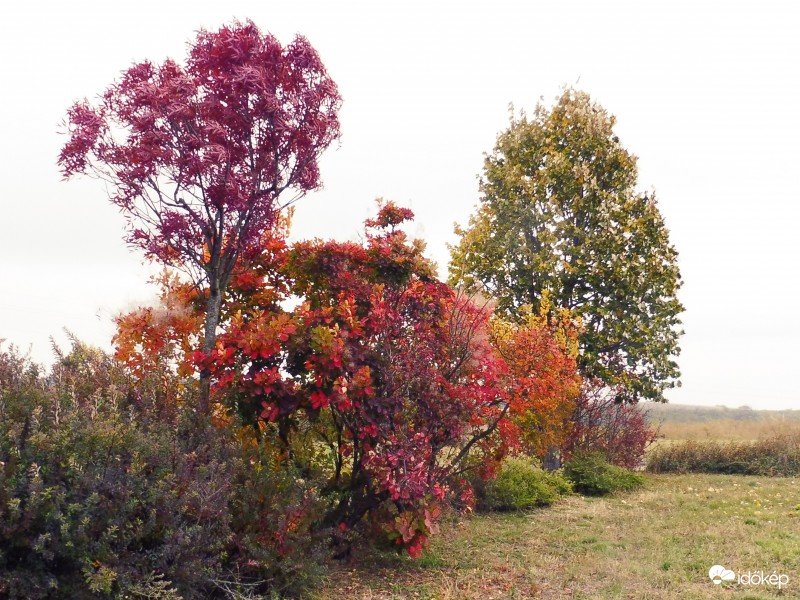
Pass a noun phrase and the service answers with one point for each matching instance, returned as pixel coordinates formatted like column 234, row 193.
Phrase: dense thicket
column 284, row 402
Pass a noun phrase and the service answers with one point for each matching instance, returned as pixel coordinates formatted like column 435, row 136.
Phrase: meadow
column 678, row 422
column 655, row 543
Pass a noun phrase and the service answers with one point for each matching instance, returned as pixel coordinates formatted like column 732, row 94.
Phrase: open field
column 658, row 543
column 699, row 423
column 740, row 431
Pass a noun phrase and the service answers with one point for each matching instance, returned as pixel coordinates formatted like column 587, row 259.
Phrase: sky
column 705, row 94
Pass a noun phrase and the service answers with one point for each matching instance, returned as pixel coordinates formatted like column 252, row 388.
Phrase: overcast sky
column 705, row 93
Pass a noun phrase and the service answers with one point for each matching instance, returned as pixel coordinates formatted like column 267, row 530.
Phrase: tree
column 199, row 156
column 163, row 339
column 559, row 214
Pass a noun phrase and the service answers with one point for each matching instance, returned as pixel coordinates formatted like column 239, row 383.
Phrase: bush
column 521, row 485
column 778, row 455
column 619, row 430
column 107, row 491
column 593, row 475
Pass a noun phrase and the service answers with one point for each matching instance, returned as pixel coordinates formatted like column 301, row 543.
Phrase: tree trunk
column 552, row 460
column 209, row 341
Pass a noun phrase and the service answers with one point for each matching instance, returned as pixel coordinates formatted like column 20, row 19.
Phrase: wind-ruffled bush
column 618, row 430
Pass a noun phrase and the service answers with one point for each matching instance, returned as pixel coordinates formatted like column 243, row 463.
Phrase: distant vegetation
column 718, row 439
column 778, row 455
column 684, row 422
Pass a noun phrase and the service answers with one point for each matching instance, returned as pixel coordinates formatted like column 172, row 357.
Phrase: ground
column 657, row 543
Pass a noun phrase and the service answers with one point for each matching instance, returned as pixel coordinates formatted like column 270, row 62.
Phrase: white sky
column 706, row 94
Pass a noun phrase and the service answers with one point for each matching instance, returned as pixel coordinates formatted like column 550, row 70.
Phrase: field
column 680, row 422
column 657, row 543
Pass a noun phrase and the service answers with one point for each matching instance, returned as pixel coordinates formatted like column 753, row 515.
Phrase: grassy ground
column 658, row 543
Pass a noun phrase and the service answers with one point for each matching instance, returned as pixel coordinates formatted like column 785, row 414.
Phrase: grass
column 656, row 543
column 721, row 440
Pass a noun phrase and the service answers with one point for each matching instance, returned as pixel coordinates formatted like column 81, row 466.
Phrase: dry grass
column 777, row 455
column 654, row 544
column 727, row 429
column 701, row 423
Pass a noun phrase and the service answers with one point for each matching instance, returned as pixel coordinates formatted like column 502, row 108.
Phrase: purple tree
column 200, row 157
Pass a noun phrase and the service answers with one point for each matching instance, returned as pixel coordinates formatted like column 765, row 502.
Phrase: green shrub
column 521, row 485
column 778, row 455
column 591, row 474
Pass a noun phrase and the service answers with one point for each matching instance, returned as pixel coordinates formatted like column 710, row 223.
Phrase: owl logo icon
column 718, row 574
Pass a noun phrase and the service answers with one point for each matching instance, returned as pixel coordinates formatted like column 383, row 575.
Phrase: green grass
column 655, row 543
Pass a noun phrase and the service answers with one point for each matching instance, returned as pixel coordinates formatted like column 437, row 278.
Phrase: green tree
column 559, row 215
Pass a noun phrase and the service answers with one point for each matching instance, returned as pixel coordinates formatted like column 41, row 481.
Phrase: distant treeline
column 683, row 413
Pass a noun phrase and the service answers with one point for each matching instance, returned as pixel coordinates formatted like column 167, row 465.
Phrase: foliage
column 384, row 367
column 559, row 215
column 620, row 431
column 382, row 388
column 540, row 355
column 151, row 339
column 593, row 475
column 107, row 490
column 161, row 340
column 778, row 455
column 520, row 485
column 199, row 155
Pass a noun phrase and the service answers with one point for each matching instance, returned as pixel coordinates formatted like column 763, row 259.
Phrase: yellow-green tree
column 559, row 214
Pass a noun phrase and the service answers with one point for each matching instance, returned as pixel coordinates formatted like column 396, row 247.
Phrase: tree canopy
column 560, row 216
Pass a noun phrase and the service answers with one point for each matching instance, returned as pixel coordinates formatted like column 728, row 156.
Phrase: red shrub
column 617, row 429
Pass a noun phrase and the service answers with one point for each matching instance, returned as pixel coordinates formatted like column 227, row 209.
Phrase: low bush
column 521, row 485
column 106, row 490
column 593, row 475
column 778, row 455
column 620, row 431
